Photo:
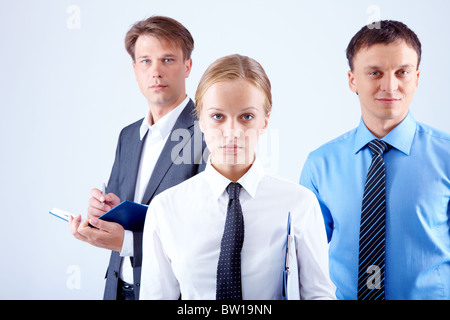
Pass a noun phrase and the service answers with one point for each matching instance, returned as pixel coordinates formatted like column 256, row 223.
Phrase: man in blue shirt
column 413, row 211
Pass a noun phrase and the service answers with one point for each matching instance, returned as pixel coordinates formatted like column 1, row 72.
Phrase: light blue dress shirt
column 417, row 208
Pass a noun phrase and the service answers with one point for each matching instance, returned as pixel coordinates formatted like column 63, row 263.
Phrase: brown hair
column 234, row 67
column 388, row 32
column 162, row 28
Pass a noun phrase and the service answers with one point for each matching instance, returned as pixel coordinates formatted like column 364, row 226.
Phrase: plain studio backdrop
column 67, row 88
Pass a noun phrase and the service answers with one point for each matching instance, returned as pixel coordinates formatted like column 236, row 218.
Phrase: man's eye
column 374, row 73
column 168, row 60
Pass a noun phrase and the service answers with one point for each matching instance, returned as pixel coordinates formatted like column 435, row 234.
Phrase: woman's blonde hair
column 234, row 67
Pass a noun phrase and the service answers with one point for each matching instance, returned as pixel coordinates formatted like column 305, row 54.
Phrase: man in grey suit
column 153, row 154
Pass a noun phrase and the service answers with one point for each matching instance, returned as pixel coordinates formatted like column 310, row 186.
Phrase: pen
column 103, row 193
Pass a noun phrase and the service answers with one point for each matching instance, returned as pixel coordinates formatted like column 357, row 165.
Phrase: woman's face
column 232, row 118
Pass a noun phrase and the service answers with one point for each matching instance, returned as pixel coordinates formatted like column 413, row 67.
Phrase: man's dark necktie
column 372, row 229
column 228, row 286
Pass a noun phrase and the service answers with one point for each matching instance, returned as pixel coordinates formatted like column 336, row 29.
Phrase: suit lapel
column 165, row 161
column 134, row 156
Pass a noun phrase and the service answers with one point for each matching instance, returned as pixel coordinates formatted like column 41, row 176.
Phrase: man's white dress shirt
column 184, row 227
column 157, row 135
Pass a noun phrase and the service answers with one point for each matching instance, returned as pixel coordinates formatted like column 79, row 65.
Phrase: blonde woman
column 222, row 234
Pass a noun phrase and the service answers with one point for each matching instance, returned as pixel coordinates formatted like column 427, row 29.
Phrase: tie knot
column 233, row 190
column 378, row 147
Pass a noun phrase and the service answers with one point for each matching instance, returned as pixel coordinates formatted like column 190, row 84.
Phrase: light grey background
column 67, row 88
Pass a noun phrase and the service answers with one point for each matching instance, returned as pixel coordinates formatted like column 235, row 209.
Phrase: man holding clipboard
column 145, row 162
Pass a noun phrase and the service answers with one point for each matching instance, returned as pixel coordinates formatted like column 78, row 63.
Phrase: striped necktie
column 372, row 229
column 228, row 285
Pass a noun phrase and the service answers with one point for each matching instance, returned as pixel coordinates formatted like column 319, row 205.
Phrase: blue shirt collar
column 400, row 137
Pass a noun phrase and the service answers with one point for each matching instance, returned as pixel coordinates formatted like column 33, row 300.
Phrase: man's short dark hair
column 162, row 28
column 386, row 32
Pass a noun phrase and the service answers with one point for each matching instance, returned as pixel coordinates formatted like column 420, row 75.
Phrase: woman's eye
column 217, row 116
column 247, row 117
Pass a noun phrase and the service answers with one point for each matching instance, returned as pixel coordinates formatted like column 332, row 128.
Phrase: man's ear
column 417, row 79
column 352, row 82
column 134, row 68
column 188, row 65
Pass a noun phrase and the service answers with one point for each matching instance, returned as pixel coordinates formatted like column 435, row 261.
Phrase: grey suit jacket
column 186, row 148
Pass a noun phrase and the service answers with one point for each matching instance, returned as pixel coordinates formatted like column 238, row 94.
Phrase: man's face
column 161, row 71
column 385, row 78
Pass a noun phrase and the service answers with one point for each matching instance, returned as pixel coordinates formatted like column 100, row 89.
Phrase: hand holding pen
column 97, row 232
column 101, row 202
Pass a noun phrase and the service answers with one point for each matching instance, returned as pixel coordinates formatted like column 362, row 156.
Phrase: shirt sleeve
column 307, row 180
column 158, row 281
column 312, row 256
column 127, row 245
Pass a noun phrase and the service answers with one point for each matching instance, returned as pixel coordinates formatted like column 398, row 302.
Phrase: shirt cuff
column 127, row 246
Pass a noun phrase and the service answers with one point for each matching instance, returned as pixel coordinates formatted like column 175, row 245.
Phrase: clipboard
column 290, row 287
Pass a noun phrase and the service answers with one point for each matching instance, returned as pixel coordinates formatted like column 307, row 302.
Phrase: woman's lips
column 230, row 148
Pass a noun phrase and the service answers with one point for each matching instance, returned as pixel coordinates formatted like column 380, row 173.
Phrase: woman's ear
column 266, row 124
